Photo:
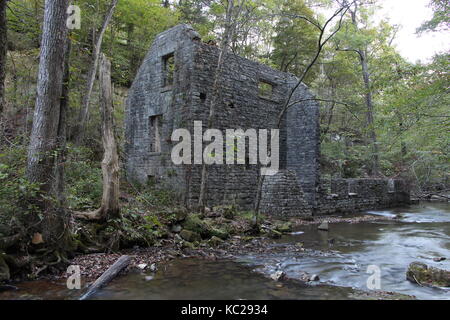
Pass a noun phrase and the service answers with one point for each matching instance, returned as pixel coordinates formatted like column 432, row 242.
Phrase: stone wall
column 283, row 196
column 295, row 191
column 353, row 195
column 239, row 106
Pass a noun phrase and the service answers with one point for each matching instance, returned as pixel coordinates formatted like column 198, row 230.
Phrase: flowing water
column 341, row 258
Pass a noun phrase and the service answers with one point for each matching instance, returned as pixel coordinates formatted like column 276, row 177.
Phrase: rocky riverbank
column 223, row 233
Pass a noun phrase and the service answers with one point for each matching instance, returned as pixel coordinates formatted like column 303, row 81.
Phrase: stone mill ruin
column 173, row 88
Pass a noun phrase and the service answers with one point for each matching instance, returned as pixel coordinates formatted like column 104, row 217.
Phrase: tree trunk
column 110, row 164
column 375, row 162
column 48, row 121
column 375, row 166
column 84, row 113
column 229, row 29
column 3, row 52
column 62, row 130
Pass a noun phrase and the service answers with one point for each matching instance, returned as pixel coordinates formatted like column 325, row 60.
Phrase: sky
column 410, row 14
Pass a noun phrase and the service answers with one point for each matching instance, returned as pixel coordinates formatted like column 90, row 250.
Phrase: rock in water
column 439, row 259
column 142, row 266
column 153, row 267
column 285, row 227
column 277, row 276
column 422, row 274
column 148, row 278
column 314, row 277
column 324, row 226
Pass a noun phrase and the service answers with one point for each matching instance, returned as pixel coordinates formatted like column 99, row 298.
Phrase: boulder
column 204, row 227
column 215, row 241
column 188, row 245
column 422, row 274
column 314, row 277
column 277, row 276
column 284, row 227
column 153, row 267
column 142, row 266
column 227, row 212
column 324, row 226
column 190, row 236
column 219, row 233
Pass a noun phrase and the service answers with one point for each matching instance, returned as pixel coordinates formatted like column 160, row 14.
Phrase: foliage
column 83, row 179
column 292, row 30
column 15, row 190
column 441, row 17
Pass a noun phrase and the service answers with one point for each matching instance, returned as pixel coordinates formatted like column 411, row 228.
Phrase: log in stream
column 107, row 276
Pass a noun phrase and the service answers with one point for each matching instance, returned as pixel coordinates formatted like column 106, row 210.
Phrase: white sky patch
column 410, row 14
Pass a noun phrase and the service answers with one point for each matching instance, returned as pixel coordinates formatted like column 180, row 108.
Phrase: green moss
column 227, row 212
column 284, row 227
column 215, row 241
column 190, row 236
column 220, row 233
column 194, row 223
column 425, row 275
column 205, row 228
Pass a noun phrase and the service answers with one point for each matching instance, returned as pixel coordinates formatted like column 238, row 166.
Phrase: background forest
column 381, row 115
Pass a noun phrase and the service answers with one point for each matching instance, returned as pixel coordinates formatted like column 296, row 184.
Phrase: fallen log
column 107, row 276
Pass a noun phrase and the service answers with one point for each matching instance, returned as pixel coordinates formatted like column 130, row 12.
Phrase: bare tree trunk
column 227, row 36
column 110, row 164
column 84, row 112
column 400, row 132
column 43, row 151
column 62, row 130
column 375, row 162
column 375, row 166
column 3, row 52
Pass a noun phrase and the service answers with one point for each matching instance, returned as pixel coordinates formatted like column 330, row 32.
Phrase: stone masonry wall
column 282, row 196
column 240, row 106
column 296, row 190
column 353, row 195
column 149, row 97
